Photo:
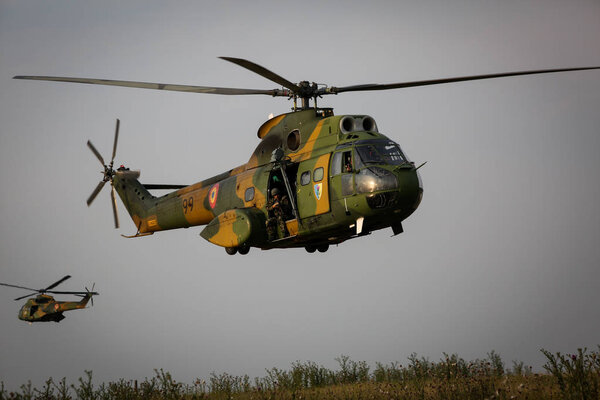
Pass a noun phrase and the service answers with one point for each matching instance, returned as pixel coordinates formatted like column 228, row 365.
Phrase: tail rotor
column 91, row 293
column 108, row 175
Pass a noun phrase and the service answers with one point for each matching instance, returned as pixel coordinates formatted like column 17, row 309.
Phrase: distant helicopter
column 44, row 308
column 341, row 177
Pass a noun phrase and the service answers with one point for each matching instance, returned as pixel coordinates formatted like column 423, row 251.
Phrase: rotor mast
column 306, row 92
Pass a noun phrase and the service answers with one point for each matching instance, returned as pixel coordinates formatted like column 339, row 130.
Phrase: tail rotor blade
column 114, row 207
column 95, row 192
column 92, row 293
column 96, row 153
column 109, row 174
column 114, row 153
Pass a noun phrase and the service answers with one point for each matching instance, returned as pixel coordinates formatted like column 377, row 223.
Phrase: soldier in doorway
column 278, row 207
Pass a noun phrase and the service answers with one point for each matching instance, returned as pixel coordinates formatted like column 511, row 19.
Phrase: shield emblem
column 318, row 190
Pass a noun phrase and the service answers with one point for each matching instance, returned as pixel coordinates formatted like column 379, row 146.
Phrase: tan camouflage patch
column 267, row 126
column 226, row 237
column 292, row 227
column 323, row 201
column 305, row 151
column 197, row 214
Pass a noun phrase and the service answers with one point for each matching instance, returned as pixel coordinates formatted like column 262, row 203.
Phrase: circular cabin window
column 293, row 140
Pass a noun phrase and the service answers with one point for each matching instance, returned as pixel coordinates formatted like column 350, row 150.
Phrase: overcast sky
column 502, row 254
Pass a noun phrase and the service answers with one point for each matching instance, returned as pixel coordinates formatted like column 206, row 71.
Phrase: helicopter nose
column 410, row 191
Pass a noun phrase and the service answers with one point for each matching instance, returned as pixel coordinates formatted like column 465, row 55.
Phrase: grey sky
column 502, row 254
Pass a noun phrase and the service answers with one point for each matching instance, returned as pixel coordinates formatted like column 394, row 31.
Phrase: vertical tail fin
column 135, row 197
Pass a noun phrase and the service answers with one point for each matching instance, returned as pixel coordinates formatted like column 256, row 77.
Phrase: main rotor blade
column 20, row 287
column 115, row 144
column 96, row 152
column 262, row 71
column 374, row 86
column 161, row 186
column 95, row 192
column 55, row 284
column 75, row 293
column 27, row 295
column 158, row 86
column 113, row 201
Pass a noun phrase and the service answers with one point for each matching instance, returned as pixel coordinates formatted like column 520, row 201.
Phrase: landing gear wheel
column 243, row 249
column 323, row 248
column 231, row 250
column 310, row 248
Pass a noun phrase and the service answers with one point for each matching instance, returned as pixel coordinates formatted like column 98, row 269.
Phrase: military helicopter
column 44, row 308
column 340, row 176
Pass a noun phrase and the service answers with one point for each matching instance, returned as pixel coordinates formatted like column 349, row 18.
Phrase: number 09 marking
column 188, row 205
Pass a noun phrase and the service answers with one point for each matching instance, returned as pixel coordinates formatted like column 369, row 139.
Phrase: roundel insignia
column 56, row 306
column 212, row 195
column 318, row 190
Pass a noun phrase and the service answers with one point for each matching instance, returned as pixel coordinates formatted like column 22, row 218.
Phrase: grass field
column 568, row 376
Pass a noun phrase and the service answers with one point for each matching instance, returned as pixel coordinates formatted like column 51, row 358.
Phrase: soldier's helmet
column 274, row 192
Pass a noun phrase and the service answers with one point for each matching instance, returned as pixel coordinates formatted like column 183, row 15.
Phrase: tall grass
column 576, row 374
column 570, row 376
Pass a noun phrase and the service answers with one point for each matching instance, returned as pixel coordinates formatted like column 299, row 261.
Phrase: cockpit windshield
column 369, row 155
column 381, row 152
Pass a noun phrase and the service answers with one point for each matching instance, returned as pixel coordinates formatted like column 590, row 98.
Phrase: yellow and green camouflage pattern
column 343, row 178
column 232, row 205
column 236, row 227
column 44, row 308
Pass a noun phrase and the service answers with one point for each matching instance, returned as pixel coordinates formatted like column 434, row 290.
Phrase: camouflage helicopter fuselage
column 304, row 150
column 44, row 308
column 341, row 177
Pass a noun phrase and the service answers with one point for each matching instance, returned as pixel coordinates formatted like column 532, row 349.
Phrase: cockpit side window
column 358, row 164
column 347, row 159
column 336, row 164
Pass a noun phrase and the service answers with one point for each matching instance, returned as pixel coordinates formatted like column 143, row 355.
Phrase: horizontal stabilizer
column 161, row 186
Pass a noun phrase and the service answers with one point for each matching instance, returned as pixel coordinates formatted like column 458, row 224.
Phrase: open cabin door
column 283, row 177
column 313, row 186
